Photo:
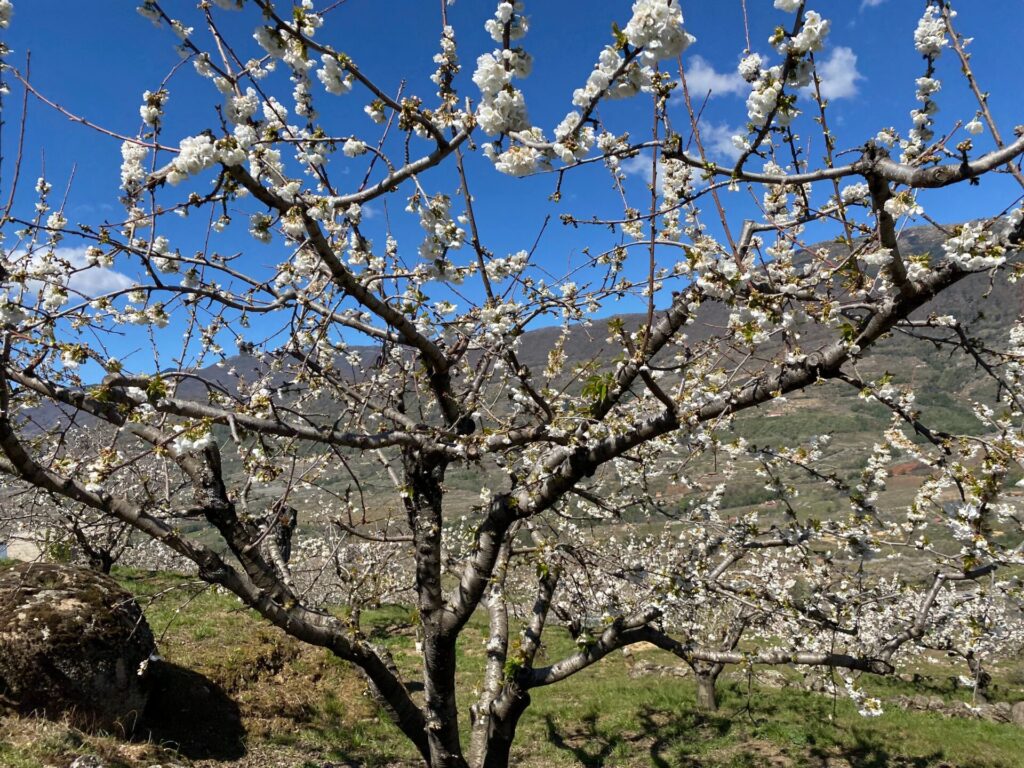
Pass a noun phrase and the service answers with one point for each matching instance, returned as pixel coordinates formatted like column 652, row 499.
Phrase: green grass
column 300, row 706
column 604, row 716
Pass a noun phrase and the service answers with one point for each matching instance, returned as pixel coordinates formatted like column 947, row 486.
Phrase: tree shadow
column 659, row 729
column 592, row 749
column 946, row 687
column 672, row 729
column 679, row 738
column 869, row 752
column 191, row 714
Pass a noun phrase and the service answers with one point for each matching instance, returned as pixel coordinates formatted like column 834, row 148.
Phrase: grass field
column 237, row 692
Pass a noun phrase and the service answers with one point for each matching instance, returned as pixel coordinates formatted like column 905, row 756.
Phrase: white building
column 20, row 546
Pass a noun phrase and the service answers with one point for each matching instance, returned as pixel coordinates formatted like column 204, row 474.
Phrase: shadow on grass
column 671, row 731
column 342, row 743
column 869, row 752
column 191, row 714
column 587, row 746
column 738, row 736
column 662, row 732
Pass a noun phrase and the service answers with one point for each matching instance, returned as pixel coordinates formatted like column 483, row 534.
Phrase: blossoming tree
column 380, row 370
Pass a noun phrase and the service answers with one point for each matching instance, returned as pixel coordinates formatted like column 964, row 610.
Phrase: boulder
column 1017, row 714
column 1000, row 712
column 772, row 678
column 73, row 644
column 645, row 667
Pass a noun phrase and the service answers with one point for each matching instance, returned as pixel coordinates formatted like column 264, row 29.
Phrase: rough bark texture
column 707, row 695
column 424, row 507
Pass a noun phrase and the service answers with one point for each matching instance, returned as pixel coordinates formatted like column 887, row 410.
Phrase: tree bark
column 442, row 712
column 102, row 562
column 502, row 724
column 425, row 478
column 982, row 679
column 707, row 696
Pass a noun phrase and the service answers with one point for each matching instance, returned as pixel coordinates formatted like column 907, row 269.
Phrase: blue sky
column 97, row 57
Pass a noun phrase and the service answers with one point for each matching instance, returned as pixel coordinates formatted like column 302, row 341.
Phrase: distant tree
column 373, row 374
column 65, row 530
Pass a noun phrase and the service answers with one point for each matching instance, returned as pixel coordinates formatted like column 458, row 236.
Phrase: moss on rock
column 73, row 644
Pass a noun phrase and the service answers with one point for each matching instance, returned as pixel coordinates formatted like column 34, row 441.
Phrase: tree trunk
column 425, row 478
column 501, row 726
column 982, row 679
column 707, row 696
column 101, row 561
column 442, row 712
column 499, row 749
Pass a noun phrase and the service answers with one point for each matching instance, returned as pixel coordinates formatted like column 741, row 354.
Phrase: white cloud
column 92, row 280
column 89, row 281
column 871, row 3
column 96, row 281
column 717, row 138
column 701, row 77
column 638, row 165
column 839, row 74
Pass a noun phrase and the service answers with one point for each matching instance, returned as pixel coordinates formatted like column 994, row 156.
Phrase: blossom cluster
column 657, row 27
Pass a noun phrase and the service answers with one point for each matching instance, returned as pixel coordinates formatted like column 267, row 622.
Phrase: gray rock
column 772, row 678
column 88, row 761
column 1000, row 712
column 644, row 668
column 1017, row 714
column 73, row 644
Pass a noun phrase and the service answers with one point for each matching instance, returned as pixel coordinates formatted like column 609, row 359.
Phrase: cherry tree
column 382, row 361
column 63, row 529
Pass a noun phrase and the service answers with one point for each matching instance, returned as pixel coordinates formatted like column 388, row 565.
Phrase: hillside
column 945, row 385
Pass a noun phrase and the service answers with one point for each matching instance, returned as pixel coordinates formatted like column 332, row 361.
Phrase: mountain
column 945, row 384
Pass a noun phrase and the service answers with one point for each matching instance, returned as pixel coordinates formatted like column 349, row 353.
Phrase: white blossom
column 517, row 161
column 880, row 258
column 241, row 108
column 195, row 154
column 903, row 204
column 508, row 12
column 811, row 36
column 854, row 193
column 974, row 247
column 132, row 172
column 490, row 75
column 354, row 147
column 333, row 76
column 657, row 27
column 503, row 113
column 930, row 35
column 764, row 97
column 572, row 142
column 750, row 66
column 601, row 79
column 152, row 107
column 270, row 41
